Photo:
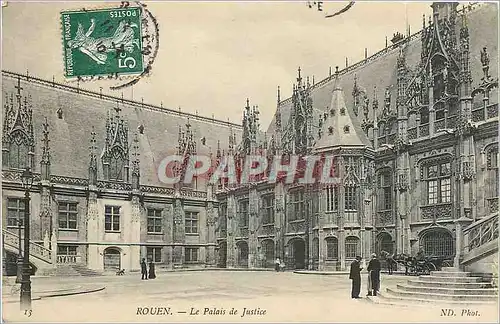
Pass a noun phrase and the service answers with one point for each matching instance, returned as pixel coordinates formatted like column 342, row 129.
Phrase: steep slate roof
column 341, row 127
column 380, row 69
column 70, row 136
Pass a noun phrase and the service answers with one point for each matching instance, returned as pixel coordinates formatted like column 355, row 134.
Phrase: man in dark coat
column 144, row 269
column 355, row 276
column 374, row 269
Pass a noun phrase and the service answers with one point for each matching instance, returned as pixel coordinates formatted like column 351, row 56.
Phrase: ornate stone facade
column 412, row 129
column 408, row 164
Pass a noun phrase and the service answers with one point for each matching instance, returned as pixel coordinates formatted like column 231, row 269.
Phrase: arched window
column 351, row 247
column 116, row 166
column 384, row 243
column 18, row 153
column 492, row 172
column 438, row 243
column 332, row 248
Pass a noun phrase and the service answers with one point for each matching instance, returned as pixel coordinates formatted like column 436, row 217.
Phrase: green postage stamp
column 102, row 42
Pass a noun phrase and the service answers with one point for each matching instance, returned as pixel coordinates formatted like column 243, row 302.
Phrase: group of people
column 373, row 276
column 279, row 265
column 144, row 270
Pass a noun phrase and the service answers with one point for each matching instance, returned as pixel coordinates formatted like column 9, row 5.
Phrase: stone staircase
column 72, row 270
column 448, row 286
column 38, row 253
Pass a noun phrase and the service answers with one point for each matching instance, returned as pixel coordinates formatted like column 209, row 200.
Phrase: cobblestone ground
column 214, row 296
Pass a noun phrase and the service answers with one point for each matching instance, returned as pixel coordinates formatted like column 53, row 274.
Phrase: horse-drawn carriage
column 416, row 265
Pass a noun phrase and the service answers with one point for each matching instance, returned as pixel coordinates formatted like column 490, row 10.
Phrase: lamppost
column 27, row 179
column 20, row 254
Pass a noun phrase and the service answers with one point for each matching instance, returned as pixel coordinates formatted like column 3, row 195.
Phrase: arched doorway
column 268, row 253
column 384, row 243
column 242, row 248
column 222, row 262
column 438, row 242
column 112, row 259
column 297, row 256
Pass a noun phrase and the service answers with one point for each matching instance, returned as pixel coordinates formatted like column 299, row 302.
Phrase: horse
column 389, row 260
column 404, row 259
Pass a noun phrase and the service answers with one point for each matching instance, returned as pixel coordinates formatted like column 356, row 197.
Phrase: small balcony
column 69, row 259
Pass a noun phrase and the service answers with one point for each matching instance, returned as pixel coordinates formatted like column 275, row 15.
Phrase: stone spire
column 341, row 127
column 135, row 163
column 45, row 160
column 115, row 158
column 93, row 159
column 18, row 127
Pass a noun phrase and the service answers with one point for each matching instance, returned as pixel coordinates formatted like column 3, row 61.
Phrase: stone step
column 448, row 291
column 447, row 284
column 389, row 299
column 435, row 296
column 450, row 274
column 449, row 269
column 450, row 279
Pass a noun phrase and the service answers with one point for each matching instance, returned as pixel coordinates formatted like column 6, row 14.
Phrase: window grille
column 351, row 247
column 438, row 243
column 332, row 248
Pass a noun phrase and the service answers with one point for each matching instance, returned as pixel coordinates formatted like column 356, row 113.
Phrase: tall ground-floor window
column 332, row 248
column 351, row 247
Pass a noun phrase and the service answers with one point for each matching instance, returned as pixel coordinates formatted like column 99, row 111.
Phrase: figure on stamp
column 96, row 48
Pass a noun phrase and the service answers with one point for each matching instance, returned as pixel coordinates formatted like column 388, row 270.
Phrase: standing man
column 374, row 269
column 355, row 276
column 144, row 269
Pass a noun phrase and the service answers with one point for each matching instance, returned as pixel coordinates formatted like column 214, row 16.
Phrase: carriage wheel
column 429, row 267
column 447, row 264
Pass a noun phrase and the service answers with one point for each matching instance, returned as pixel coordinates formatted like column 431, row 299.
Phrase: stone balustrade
column 12, row 239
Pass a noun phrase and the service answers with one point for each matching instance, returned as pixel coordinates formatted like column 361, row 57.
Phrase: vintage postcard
column 250, row 161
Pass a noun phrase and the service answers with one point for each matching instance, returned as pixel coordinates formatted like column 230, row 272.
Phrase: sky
column 215, row 55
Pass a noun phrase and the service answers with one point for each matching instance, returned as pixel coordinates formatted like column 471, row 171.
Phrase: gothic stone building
column 97, row 200
column 413, row 130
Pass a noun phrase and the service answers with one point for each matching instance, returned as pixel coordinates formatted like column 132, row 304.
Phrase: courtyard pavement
column 223, row 296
